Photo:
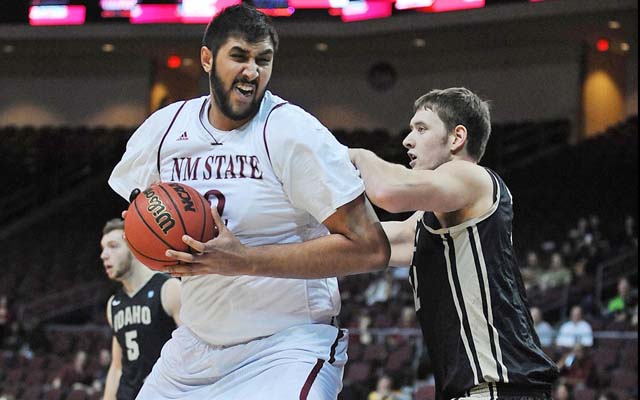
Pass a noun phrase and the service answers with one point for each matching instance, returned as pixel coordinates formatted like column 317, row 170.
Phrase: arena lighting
column 614, row 24
column 318, row 3
column 201, row 11
column 57, row 15
column 411, row 4
column 108, row 48
column 452, row 5
column 366, row 9
column 278, row 12
column 117, row 8
column 174, row 62
column 602, row 45
column 155, row 14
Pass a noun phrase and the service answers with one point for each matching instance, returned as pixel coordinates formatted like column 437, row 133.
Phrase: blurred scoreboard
column 77, row 12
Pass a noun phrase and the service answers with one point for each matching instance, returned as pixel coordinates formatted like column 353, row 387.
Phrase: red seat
column 15, row 375
column 605, row 357
column 375, row 352
column 625, row 379
column 584, row 394
column 54, row 394
column 77, row 394
column 427, row 392
column 358, row 372
column 399, row 359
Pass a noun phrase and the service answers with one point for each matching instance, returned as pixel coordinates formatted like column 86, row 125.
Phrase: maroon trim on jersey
column 167, row 132
column 310, row 379
column 264, row 130
column 306, row 388
column 332, row 355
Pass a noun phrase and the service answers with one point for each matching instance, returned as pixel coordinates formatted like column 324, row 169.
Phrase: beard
column 125, row 267
column 221, row 97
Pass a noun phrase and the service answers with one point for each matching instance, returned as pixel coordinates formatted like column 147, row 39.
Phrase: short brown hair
column 113, row 225
column 460, row 106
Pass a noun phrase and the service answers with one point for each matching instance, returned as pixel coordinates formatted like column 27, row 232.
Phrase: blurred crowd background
column 564, row 138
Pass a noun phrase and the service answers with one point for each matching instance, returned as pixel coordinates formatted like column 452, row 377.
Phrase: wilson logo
column 155, row 206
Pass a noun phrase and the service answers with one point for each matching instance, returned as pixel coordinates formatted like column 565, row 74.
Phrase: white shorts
column 303, row 362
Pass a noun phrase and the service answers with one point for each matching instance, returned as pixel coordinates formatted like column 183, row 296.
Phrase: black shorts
column 506, row 391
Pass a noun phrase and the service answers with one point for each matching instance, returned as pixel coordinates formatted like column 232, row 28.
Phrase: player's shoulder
column 169, row 112
column 282, row 115
column 464, row 167
column 167, row 282
column 109, row 305
column 110, row 301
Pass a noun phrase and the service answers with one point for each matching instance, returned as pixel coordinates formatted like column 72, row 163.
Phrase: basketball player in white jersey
column 142, row 314
column 288, row 193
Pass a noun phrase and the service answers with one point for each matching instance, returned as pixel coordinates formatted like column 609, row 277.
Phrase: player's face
column 116, row 257
column 239, row 77
column 427, row 143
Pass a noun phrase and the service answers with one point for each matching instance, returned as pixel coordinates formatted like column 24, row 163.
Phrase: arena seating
column 554, row 187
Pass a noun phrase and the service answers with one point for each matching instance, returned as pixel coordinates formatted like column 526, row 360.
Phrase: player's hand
column 222, row 255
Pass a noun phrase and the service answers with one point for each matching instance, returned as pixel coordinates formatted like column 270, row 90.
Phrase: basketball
column 158, row 218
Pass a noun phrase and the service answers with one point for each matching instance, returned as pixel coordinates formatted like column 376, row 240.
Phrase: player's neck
column 221, row 122
column 138, row 278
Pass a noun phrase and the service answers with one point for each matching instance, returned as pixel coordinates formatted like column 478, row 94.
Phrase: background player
column 469, row 295
column 142, row 314
column 281, row 183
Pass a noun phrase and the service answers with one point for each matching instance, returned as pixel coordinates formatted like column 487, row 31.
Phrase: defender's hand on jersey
column 223, row 255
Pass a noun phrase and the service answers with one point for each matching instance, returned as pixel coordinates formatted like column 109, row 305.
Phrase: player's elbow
column 378, row 251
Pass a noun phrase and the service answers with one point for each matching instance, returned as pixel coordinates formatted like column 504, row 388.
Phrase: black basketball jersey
column 471, row 302
column 141, row 327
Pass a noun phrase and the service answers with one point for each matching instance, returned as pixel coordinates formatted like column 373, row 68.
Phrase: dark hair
column 243, row 21
column 112, row 225
column 460, row 106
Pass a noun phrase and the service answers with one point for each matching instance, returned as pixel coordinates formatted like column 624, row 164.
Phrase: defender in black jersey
column 142, row 314
column 469, row 295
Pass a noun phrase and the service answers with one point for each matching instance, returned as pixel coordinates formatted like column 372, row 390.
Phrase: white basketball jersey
column 274, row 180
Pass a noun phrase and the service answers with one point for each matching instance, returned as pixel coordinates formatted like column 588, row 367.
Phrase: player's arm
column 453, row 186
column 115, row 368
column 356, row 244
column 401, row 236
column 170, row 297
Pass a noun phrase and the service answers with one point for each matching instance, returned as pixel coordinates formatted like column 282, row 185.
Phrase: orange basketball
column 159, row 216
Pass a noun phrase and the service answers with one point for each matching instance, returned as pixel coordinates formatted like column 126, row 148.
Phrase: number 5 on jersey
column 133, row 350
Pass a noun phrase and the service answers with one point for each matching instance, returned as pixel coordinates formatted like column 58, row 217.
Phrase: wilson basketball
column 158, row 218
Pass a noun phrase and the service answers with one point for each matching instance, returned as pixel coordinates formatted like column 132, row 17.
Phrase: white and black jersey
column 141, row 326
column 471, row 303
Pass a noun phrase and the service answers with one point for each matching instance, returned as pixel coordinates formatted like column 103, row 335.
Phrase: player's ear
column 206, row 59
column 458, row 138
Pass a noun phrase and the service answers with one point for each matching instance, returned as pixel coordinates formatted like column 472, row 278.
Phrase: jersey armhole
column 167, row 132
column 264, row 130
column 110, row 310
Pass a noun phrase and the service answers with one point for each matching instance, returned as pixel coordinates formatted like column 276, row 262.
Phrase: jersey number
column 133, row 350
column 221, row 201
